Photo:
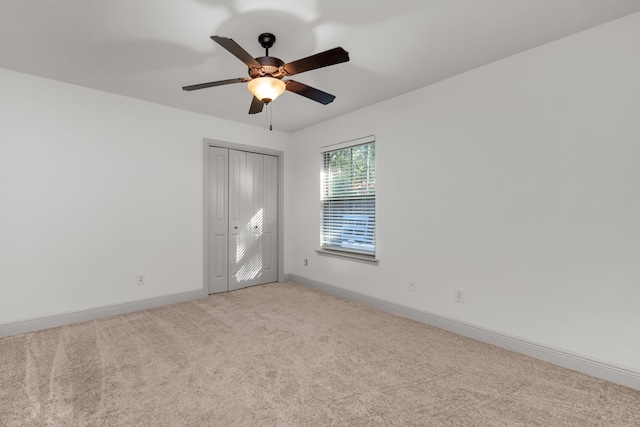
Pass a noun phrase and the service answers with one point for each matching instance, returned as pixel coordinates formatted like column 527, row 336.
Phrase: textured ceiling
column 149, row 49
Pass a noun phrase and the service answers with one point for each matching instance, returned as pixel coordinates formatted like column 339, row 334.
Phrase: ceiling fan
column 266, row 72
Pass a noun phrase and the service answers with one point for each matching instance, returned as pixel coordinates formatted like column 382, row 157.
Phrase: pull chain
column 270, row 117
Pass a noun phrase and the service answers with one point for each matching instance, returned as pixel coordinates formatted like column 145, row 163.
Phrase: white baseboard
column 586, row 365
column 46, row 322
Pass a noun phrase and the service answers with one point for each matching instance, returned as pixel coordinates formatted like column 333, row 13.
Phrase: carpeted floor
column 286, row 355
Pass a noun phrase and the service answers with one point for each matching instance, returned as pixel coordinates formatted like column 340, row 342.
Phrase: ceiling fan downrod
column 266, row 40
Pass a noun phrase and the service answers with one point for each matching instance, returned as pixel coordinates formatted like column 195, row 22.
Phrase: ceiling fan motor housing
column 270, row 67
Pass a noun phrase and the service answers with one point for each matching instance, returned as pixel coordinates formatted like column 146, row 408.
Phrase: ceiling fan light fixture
column 266, row 89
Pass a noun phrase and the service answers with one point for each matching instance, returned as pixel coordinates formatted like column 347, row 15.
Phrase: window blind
column 348, row 198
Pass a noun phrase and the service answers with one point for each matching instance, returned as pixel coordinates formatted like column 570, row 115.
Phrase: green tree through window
column 348, row 199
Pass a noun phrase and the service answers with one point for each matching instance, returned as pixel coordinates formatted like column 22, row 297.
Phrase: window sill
column 366, row 259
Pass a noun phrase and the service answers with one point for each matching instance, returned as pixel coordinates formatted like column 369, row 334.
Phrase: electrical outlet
column 412, row 286
column 458, row 295
column 305, row 262
column 140, row 279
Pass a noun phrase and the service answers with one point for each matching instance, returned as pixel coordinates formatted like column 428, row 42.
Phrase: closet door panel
column 270, row 222
column 218, row 219
column 238, row 220
column 253, row 244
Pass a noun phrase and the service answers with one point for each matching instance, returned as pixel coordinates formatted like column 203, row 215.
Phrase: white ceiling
column 149, row 49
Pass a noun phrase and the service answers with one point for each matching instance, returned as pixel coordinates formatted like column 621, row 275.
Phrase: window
column 348, row 197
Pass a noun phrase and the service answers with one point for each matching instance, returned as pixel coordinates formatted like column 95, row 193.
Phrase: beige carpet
column 283, row 354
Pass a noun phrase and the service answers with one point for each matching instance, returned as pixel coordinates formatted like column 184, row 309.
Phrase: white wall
column 96, row 188
column 517, row 182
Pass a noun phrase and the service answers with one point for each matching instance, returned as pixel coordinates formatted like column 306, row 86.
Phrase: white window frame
column 347, row 251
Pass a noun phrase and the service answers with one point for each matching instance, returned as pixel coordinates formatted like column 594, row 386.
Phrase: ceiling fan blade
column 309, row 92
column 324, row 59
column 218, row 83
column 256, row 106
column 237, row 51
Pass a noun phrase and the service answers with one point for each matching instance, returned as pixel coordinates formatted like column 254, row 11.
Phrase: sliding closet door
column 245, row 249
column 243, row 243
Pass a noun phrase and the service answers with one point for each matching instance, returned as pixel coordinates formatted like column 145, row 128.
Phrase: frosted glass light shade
column 266, row 89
